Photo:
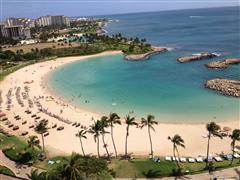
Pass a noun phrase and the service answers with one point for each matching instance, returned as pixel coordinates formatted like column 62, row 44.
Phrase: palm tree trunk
column 127, row 129
column 150, row 139
column 178, row 158
column 43, row 143
column 115, row 149
column 174, row 154
column 98, row 146
column 209, row 136
column 233, row 145
column 105, row 146
column 82, row 146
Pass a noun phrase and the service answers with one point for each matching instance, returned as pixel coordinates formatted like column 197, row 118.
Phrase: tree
column 104, row 124
column 213, row 130
column 235, row 136
column 130, row 121
column 177, row 141
column 33, row 142
column 95, row 129
column 114, row 119
column 42, row 128
column 149, row 123
column 35, row 175
column 82, row 134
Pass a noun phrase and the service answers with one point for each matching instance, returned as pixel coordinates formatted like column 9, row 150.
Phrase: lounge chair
column 60, row 128
column 183, row 159
column 46, row 134
column 199, row 159
column 24, row 133
column 175, row 159
column 168, row 158
column 210, row 159
column 156, row 159
column 218, row 159
column 236, row 155
column 15, row 128
column 54, row 126
column 191, row 160
column 31, row 126
column 228, row 157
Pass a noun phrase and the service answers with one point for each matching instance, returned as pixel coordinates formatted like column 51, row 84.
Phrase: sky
column 36, row 8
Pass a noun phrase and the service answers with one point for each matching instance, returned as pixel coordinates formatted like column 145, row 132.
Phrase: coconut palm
column 104, row 125
column 130, row 121
column 149, row 122
column 213, row 130
column 235, row 136
column 71, row 169
column 82, row 134
column 35, row 175
column 177, row 141
column 114, row 119
column 95, row 129
column 33, row 141
column 41, row 128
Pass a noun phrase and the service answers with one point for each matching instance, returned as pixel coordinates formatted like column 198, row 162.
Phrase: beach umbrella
column 226, row 129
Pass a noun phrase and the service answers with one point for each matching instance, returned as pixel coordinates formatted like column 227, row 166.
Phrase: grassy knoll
column 140, row 168
column 6, row 171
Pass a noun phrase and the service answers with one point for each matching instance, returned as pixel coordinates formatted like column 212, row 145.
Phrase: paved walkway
column 19, row 170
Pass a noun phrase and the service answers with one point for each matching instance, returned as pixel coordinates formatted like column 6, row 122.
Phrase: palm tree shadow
column 151, row 174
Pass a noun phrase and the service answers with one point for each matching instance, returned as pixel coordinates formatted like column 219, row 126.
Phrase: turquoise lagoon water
column 171, row 91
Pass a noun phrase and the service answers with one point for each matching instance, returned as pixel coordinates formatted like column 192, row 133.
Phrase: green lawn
column 16, row 149
column 6, row 171
column 140, row 168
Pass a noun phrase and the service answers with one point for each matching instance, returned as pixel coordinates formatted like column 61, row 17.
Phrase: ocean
column 171, row 91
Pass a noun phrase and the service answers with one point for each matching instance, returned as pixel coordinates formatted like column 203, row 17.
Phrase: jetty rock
column 222, row 64
column 225, row 86
column 195, row 57
column 145, row 56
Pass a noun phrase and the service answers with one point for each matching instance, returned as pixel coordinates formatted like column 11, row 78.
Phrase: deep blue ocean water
column 171, row 91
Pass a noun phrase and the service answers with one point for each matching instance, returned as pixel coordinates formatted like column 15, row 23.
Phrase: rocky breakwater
column 196, row 57
column 225, row 86
column 222, row 64
column 145, row 56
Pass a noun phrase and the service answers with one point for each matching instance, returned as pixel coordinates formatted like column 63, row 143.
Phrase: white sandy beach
column 65, row 140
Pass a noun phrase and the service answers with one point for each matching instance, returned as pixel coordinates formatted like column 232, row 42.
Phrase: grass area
column 29, row 47
column 6, row 171
column 16, row 149
column 10, row 70
column 140, row 168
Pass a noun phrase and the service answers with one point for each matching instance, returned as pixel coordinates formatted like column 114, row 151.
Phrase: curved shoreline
column 191, row 133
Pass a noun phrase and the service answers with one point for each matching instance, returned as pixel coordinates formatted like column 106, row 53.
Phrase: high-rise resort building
column 53, row 21
column 25, row 22
column 15, row 32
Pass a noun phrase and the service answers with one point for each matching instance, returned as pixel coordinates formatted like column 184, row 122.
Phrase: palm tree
column 213, row 129
column 35, row 175
column 82, row 134
column 71, row 169
column 114, row 119
column 42, row 128
column 33, row 142
column 149, row 122
column 95, row 129
column 130, row 121
column 104, row 124
column 235, row 136
column 177, row 141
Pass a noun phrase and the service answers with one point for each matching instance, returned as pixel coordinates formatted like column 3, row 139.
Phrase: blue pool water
column 171, row 91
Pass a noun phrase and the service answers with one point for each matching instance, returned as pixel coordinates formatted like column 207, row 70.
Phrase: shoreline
column 195, row 143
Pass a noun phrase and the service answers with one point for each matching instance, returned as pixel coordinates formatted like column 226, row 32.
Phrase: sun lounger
column 54, row 126
column 183, row 159
column 218, row 159
column 235, row 155
column 24, row 122
column 228, row 157
column 46, row 134
column 51, row 162
column 156, row 159
column 199, row 159
column 210, row 159
column 175, row 159
column 15, row 128
column 191, row 160
column 168, row 158
column 31, row 126
column 24, row 133
column 10, row 125
column 60, row 128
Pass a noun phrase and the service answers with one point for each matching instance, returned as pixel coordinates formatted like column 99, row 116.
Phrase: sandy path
column 65, row 141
